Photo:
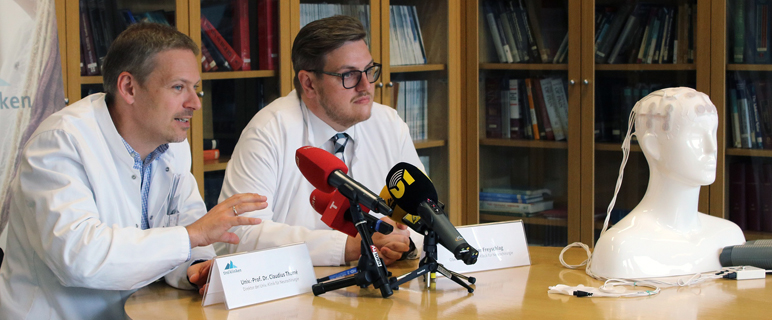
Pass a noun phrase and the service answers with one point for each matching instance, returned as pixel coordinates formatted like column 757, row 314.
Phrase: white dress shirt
column 75, row 246
column 263, row 162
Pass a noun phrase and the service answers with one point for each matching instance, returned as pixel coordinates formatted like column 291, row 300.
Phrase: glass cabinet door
column 640, row 47
column 240, row 63
column 746, row 91
column 100, row 22
column 415, row 42
column 528, row 117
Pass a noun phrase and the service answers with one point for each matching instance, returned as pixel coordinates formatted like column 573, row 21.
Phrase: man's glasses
column 351, row 79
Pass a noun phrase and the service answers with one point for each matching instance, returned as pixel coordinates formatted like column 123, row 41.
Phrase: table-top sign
column 501, row 245
column 243, row 279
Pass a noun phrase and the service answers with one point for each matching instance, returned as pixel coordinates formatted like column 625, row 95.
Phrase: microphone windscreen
column 316, row 165
column 336, row 214
column 320, row 200
column 409, row 186
column 397, row 212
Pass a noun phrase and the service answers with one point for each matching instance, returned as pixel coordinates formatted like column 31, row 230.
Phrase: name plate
column 242, row 279
column 501, row 245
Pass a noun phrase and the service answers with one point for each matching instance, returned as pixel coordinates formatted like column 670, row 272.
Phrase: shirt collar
column 150, row 157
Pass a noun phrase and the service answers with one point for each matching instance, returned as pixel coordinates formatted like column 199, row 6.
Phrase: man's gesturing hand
column 214, row 225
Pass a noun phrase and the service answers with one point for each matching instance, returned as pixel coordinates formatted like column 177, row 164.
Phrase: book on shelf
column 87, row 41
column 536, row 29
column 509, row 32
column 268, row 47
column 502, row 47
column 506, row 197
column 537, row 135
column 541, row 112
column 493, row 116
column 230, row 55
column 517, row 208
column 211, row 154
column 605, row 43
column 515, row 118
column 217, row 57
column 207, row 61
column 744, row 111
column 506, row 122
column 519, row 191
column 561, row 101
column 241, row 32
column 210, row 144
column 736, row 138
column 550, row 104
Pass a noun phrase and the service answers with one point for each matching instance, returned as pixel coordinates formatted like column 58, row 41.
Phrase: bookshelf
column 741, row 192
column 582, row 170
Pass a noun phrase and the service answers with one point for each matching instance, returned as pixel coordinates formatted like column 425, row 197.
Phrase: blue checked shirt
column 145, row 168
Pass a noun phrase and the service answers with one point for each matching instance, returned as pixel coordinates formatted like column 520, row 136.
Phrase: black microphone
column 757, row 253
column 320, row 166
column 414, row 192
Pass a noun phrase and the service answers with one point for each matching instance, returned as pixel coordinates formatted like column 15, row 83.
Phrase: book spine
column 225, row 49
column 532, row 109
column 542, row 111
column 736, row 138
column 211, row 154
column 493, row 108
column 495, row 36
column 267, row 38
column 216, row 55
column 87, row 42
column 241, row 32
column 551, row 106
column 515, row 117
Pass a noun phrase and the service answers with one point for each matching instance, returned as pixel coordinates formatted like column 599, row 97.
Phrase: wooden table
column 514, row 293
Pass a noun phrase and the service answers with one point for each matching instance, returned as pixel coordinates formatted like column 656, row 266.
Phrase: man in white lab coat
column 334, row 83
column 104, row 202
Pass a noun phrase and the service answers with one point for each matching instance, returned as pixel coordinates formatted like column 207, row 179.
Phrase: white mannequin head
column 665, row 234
column 676, row 129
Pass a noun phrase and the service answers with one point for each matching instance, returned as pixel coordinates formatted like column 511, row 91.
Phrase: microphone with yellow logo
column 413, row 192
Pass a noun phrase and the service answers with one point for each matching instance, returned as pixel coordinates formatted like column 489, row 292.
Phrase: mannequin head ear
column 650, row 145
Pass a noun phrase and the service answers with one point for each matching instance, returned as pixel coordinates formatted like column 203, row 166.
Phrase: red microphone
column 326, row 172
column 317, row 165
column 334, row 208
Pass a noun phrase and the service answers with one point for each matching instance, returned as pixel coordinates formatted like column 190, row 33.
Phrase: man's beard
column 340, row 118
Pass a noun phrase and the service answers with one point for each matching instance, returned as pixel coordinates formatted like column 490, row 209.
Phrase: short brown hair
column 318, row 38
column 135, row 49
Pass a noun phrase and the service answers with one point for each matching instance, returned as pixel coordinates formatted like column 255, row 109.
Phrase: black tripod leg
column 323, row 287
column 396, row 282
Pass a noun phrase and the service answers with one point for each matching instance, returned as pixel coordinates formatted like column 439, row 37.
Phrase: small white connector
column 746, row 273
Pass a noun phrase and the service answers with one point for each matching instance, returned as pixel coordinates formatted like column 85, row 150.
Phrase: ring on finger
column 234, row 210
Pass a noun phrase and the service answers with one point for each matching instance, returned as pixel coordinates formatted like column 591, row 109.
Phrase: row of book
column 613, row 107
column 227, row 34
column 518, row 36
column 523, row 202
column 412, row 102
column 532, row 108
column 645, row 33
column 749, row 105
column 749, row 27
column 315, row 11
column 405, row 39
column 100, row 23
column 750, row 205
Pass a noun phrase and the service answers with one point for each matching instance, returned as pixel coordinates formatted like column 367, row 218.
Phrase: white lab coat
column 263, row 162
column 75, row 247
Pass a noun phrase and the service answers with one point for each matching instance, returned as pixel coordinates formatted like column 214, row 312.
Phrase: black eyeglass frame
column 359, row 79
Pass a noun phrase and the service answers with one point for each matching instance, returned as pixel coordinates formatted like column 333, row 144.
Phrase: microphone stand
column 429, row 263
column 370, row 268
